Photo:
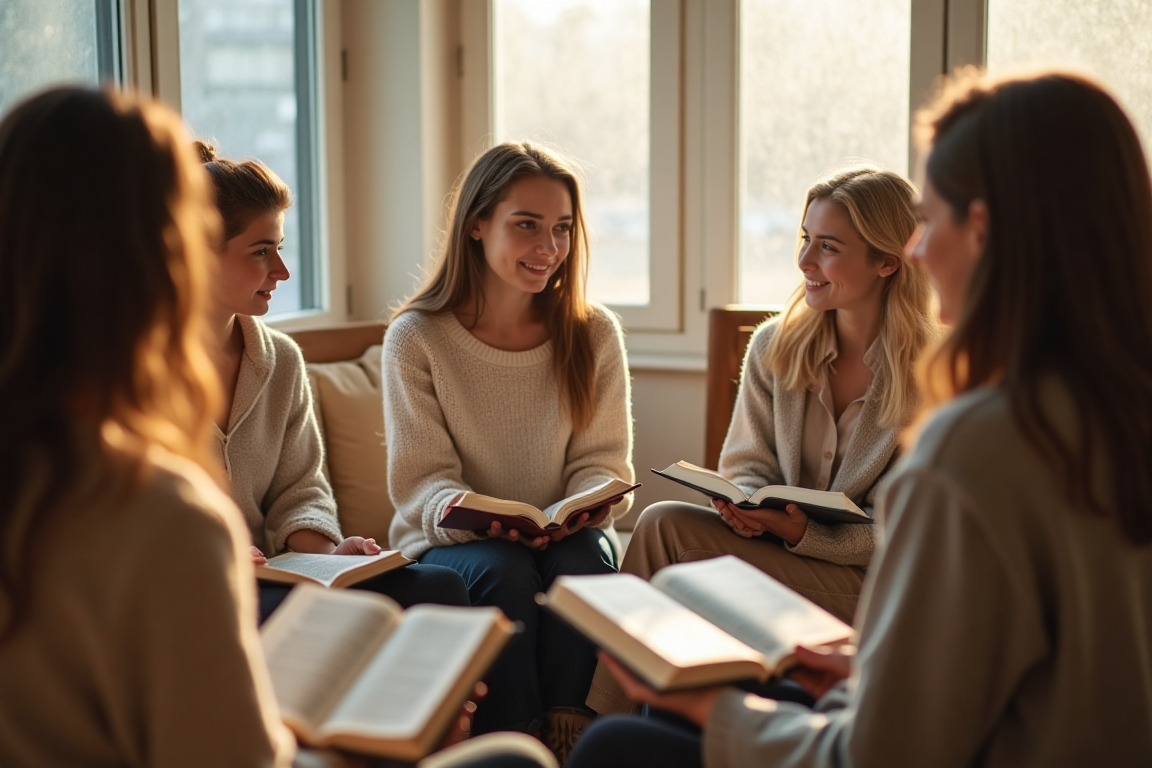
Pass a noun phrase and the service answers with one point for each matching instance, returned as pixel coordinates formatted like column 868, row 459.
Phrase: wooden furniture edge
column 729, row 330
column 338, row 341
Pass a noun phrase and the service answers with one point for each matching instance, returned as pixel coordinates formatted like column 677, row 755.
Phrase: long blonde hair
column 881, row 207
column 105, row 230
column 457, row 277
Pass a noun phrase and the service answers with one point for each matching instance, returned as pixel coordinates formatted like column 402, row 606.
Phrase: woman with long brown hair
column 127, row 632
column 500, row 377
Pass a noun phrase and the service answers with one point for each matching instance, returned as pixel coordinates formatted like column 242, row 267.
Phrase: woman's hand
column 496, row 531
column 790, row 523
column 462, row 728
column 585, row 519
column 695, row 705
column 257, row 556
column 357, row 545
column 821, row 668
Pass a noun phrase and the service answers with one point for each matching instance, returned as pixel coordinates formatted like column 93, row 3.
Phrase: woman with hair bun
column 266, row 430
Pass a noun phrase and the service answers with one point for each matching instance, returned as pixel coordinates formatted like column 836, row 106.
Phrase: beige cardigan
column 764, row 442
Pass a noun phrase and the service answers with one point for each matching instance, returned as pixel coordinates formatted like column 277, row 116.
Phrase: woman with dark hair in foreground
column 1007, row 621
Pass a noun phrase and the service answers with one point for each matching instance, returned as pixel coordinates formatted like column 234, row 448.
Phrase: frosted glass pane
column 822, row 82
column 1109, row 39
column 45, row 42
column 238, row 92
column 575, row 74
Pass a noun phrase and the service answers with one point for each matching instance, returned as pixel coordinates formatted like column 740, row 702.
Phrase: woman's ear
column 977, row 225
column 889, row 264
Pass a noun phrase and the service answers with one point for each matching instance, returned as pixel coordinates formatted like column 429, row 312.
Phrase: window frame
column 664, row 311
column 154, row 67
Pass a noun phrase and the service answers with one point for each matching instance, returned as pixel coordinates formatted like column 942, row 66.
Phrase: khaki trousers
column 675, row 532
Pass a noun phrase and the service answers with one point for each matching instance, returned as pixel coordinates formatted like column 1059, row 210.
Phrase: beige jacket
column 764, row 442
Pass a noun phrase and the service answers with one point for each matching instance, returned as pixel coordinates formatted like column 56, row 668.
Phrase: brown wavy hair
column 456, row 279
column 244, row 189
column 1063, row 287
column 105, row 225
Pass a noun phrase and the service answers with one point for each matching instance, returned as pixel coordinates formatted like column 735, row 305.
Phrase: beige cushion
column 351, row 414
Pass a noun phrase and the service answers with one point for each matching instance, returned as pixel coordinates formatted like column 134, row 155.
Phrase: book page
column 834, row 499
column 641, row 626
column 489, row 746
column 316, row 643
column 593, row 497
column 407, row 681
column 704, row 480
column 750, row 605
column 482, row 503
column 324, row 569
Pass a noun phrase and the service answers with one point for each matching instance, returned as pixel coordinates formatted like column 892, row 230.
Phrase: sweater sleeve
column 933, row 676
column 194, row 665
column 299, row 497
column 748, row 457
column 424, row 469
column 603, row 450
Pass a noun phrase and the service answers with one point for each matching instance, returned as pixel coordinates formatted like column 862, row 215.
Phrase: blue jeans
column 407, row 586
column 547, row 664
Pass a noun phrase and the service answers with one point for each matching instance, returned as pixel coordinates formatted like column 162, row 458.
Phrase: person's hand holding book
column 694, row 704
column 357, row 545
column 789, row 523
column 498, row 531
column 587, row 519
column 822, row 667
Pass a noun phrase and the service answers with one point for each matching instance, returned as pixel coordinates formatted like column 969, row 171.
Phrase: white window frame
column 152, row 65
column 663, row 313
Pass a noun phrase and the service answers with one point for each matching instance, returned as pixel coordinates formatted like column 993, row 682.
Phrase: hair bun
column 207, row 152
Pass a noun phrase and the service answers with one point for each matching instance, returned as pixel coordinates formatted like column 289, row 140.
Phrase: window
column 1110, row 40
column 247, row 86
column 822, row 83
column 47, row 42
column 553, row 83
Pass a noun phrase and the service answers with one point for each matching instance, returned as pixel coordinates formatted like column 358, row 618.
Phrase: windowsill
column 648, row 361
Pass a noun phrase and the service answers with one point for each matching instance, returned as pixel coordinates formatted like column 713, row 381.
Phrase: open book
column 822, row 506
column 699, row 623
column 476, row 512
column 352, row 670
column 329, row 570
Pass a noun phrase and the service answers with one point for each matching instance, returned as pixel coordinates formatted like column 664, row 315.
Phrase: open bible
column 351, row 670
column 329, row 570
column 699, row 623
column 476, row 512
column 822, row 506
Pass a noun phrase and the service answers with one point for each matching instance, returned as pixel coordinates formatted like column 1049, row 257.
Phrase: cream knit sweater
column 272, row 448
column 461, row 415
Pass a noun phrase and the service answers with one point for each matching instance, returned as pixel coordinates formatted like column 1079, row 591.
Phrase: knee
column 659, row 519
